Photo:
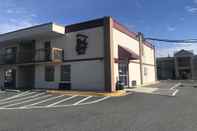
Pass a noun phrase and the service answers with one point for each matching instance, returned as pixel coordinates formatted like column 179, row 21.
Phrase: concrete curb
column 87, row 93
column 10, row 90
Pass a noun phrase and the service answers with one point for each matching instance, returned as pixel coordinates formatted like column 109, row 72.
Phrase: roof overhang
column 126, row 53
column 32, row 33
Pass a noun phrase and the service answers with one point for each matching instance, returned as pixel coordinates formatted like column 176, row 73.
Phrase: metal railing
column 32, row 56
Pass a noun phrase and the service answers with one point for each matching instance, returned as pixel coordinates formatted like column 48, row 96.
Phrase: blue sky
column 172, row 19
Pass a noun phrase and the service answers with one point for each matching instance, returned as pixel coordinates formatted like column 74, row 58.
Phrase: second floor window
column 10, row 54
column 47, row 48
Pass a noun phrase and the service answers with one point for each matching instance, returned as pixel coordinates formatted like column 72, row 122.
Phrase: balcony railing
column 33, row 56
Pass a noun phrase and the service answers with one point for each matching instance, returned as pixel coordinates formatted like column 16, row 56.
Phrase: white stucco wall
column 88, row 75
column 95, row 41
column 85, row 75
column 40, row 77
column 134, row 73
column 150, row 77
column 148, row 56
column 126, row 41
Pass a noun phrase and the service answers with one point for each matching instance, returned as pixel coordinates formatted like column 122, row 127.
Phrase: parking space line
column 25, row 101
column 21, row 98
column 54, row 104
column 175, row 86
column 15, row 96
column 58, row 102
column 95, row 101
column 176, row 91
column 82, row 100
column 33, row 104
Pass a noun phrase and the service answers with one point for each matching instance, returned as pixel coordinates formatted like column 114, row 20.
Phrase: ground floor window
column 145, row 71
column 65, row 73
column 49, row 73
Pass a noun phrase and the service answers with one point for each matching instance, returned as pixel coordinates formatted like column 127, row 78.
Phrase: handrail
column 28, row 56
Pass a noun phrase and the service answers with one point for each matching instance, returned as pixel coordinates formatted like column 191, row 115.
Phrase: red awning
column 126, row 53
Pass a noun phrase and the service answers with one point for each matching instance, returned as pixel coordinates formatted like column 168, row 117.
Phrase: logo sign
column 81, row 44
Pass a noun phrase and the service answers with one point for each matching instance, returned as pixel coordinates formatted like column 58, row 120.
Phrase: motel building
column 96, row 55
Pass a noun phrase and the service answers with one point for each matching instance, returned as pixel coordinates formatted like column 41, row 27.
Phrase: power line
column 173, row 41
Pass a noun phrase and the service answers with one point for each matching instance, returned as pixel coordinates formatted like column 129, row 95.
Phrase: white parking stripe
column 175, row 92
column 21, row 98
column 25, row 101
column 82, row 100
column 33, row 104
column 53, row 104
column 95, row 101
column 175, row 86
column 15, row 96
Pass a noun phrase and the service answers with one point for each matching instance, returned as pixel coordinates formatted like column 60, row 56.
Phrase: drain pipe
column 140, row 37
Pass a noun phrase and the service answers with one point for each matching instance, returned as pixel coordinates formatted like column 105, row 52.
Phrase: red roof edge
column 126, row 31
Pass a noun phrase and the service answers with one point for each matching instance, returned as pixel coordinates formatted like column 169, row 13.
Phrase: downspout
column 155, row 63
column 140, row 39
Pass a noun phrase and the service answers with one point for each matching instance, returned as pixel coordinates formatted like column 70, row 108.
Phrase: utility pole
column 141, row 40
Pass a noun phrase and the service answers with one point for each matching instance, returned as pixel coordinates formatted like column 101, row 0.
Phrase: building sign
column 81, row 44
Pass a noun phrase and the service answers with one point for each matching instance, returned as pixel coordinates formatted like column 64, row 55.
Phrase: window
column 47, row 47
column 65, row 72
column 145, row 71
column 123, row 74
column 49, row 73
column 184, row 61
column 10, row 55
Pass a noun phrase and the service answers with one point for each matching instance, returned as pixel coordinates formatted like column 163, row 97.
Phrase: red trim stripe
column 126, row 31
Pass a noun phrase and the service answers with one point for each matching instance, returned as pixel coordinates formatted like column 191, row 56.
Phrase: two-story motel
column 92, row 55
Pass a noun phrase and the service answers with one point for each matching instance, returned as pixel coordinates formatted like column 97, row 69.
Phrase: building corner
column 108, row 55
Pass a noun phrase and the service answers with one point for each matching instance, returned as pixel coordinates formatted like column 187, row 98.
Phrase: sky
column 168, row 19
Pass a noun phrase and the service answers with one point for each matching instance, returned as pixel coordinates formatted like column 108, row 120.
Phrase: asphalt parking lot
column 33, row 99
column 134, row 112
column 164, row 84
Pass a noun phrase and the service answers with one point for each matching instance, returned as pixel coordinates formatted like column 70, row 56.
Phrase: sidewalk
column 162, row 88
column 156, row 91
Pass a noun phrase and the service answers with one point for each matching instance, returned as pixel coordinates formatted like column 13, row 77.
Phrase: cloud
column 12, row 26
column 164, row 51
column 9, row 11
column 190, row 9
column 171, row 28
column 15, row 17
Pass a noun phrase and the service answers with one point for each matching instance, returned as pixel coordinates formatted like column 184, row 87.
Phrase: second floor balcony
column 32, row 56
